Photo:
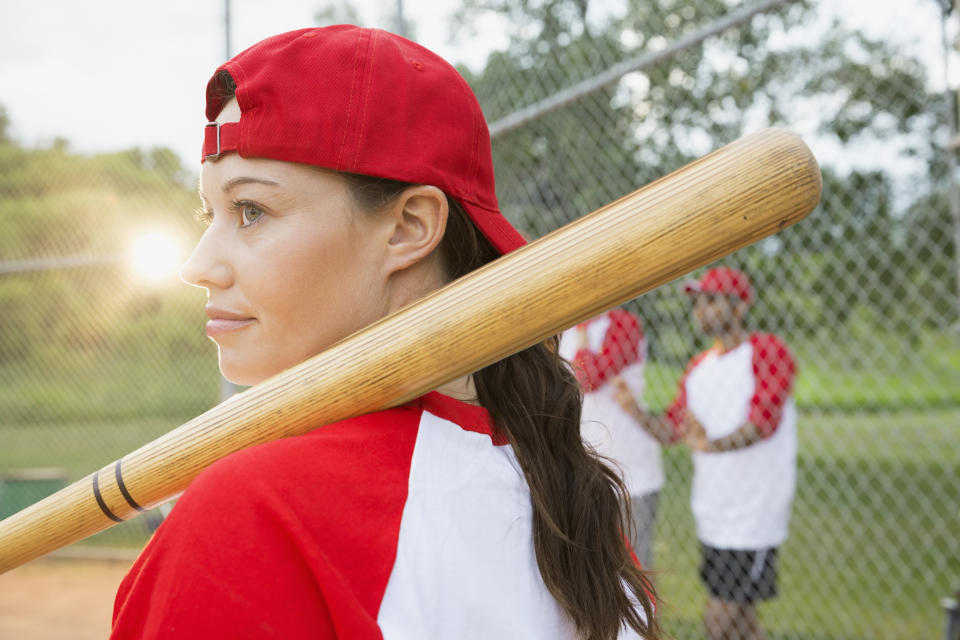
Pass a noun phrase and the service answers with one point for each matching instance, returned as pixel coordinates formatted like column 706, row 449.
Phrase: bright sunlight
column 155, row 256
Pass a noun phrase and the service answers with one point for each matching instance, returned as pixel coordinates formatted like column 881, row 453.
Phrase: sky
column 111, row 74
column 114, row 74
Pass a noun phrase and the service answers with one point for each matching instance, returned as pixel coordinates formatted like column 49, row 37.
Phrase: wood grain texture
column 722, row 202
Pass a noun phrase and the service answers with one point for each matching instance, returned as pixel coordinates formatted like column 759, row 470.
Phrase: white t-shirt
column 741, row 499
column 615, row 347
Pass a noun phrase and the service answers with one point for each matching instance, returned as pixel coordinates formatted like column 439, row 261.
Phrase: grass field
column 873, row 544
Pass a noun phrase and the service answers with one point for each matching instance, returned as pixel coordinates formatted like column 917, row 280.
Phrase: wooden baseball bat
column 726, row 200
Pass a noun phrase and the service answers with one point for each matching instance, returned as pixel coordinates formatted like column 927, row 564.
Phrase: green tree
column 846, row 90
column 61, row 324
column 4, row 126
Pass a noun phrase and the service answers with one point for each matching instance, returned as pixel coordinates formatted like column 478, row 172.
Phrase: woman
column 347, row 172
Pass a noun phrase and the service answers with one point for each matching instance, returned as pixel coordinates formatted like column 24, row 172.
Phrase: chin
column 242, row 373
column 241, row 378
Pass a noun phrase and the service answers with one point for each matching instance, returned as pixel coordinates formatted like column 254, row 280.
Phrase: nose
column 699, row 306
column 208, row 266
column 698, row 313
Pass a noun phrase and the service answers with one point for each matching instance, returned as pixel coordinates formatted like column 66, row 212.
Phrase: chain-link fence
column 587, row 103
column 864, row 291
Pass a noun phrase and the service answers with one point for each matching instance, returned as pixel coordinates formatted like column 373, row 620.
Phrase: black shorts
column 739, row 575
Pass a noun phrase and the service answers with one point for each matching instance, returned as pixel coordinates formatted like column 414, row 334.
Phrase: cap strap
column 219, row 139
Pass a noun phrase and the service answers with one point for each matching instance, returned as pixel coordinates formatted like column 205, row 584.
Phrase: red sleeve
column 211, row 571
column 622, row 346
column 675, row 412
column 261, row 545
column 773, row 371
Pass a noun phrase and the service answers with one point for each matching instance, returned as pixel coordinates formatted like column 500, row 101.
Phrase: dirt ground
column 59, row 599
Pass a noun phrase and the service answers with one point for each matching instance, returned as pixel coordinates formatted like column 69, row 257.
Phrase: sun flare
column 155, row 256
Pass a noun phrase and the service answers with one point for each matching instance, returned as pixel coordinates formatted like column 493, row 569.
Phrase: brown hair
column 581, row 508
column 581, row 511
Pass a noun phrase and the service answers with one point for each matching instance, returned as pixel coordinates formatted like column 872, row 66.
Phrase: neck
column 732, row 338
column 461, row 389
column 410, row 285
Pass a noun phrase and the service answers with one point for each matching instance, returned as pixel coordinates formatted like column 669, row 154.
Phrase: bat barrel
column 708, row 209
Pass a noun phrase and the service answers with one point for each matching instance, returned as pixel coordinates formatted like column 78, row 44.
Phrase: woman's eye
column 249, row 214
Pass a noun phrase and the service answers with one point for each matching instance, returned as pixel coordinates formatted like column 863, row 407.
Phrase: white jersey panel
column 740, row 499
column 617, row 436
column 465, row 565
column 607, row 428
column 719, row 390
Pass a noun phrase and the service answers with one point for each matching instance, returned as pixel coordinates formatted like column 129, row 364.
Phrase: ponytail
column 579, row 519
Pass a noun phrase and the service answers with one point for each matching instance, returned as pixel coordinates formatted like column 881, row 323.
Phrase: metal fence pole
column 617, row 71
column 9, row 267
column 952, row 145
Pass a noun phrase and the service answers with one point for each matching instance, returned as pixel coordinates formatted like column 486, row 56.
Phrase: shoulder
column 700, row 357
column 768, row 342
column 334, row 454
column 316, row 516
column 315, row 487
column 769, row 348
column 624, row 318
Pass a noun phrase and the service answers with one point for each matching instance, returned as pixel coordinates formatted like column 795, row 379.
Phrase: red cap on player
column 362, row 101
column 724, row 280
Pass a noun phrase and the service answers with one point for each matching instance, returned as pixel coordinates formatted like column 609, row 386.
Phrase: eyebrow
column 234, row 182
column 239, row 180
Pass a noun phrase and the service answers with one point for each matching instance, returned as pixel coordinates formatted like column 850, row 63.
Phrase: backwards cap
column 362, row 101
column 725, row 280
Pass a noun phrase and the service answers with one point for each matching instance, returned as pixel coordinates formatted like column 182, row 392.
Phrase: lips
column 224, row 321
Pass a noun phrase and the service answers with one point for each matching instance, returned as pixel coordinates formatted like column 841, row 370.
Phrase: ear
column 419, row 219
column 740, row 308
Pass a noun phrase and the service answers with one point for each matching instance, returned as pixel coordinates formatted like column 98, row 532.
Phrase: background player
column 735, row 409
column 607, row 350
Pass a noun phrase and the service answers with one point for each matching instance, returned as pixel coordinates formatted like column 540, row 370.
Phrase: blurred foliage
column 879, row 246
column 96, row 323
column 864, row 290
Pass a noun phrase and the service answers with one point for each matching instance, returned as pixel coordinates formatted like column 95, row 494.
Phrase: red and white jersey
column 414, row 522
column 741, row 498
column 616, row 346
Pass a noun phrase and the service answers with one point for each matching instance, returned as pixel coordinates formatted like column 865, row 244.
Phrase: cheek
column 318, row 289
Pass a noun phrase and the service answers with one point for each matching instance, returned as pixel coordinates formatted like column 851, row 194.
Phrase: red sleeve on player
column 773, row 371
column 675, row 412
column 293, row 539
column 622, row 346
column 221, row 570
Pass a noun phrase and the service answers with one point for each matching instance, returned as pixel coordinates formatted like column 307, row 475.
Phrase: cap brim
column 692, row 286
column 495, row 227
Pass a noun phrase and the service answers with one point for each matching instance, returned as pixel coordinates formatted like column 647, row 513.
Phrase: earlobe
column 420, row 220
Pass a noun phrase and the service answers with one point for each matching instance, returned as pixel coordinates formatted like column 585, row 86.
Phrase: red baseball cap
column 363, row 101
column 724, row 280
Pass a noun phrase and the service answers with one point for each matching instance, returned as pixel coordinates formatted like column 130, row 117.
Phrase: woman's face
column 289, row 265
